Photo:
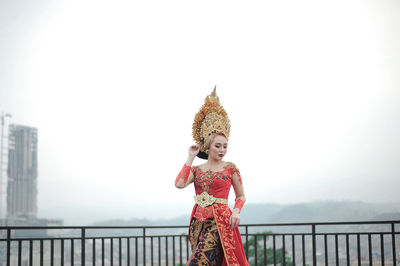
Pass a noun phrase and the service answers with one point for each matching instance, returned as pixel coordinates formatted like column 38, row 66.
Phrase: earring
column 207, row 151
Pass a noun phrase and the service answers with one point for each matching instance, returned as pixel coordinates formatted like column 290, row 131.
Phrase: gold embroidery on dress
column 221, row 176
column 205, row 179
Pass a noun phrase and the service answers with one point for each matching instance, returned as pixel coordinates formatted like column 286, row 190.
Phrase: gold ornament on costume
column 210, row 119
column 204, row 199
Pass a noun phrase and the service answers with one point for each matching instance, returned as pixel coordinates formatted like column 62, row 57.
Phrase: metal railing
column 329, row 243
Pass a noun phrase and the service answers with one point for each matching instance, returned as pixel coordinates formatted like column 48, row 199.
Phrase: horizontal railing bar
column 323, row 223
column 163, row 236
column 38, row 239
column 249, row 234
column 360, row 233
column 90, row 227
column 323, row 234
column 185, row 226
column 90, row 238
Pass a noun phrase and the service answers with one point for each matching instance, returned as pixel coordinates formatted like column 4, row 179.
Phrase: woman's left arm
column 239, row 200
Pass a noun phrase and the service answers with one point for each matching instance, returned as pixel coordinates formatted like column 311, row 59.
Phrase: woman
column 213, row 230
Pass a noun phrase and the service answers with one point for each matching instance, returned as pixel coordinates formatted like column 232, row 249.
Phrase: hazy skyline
column 311, row 89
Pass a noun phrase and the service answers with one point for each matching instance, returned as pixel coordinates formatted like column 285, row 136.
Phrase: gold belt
column 205, row 199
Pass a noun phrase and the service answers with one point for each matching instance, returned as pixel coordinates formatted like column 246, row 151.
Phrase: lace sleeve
column 240, row 198
column 235, row 171
column 183, row 174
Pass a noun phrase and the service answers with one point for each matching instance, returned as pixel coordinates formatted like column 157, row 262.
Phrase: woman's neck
column 214, row 163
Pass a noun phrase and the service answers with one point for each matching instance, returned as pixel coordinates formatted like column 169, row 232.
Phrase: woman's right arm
column 185, row 176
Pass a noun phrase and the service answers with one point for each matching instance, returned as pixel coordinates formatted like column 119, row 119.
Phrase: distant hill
column 318, row 211
column 387, row 216
column 180, row 220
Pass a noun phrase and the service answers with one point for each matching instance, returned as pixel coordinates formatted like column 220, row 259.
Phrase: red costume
column 213, row 240
column 217, row 184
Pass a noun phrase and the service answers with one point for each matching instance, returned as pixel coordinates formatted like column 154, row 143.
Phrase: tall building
column 22, row 173
column 3, row 165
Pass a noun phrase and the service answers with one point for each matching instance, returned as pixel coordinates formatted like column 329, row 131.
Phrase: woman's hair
column 210, row 138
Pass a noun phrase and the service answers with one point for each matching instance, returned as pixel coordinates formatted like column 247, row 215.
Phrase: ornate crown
column 210, row 119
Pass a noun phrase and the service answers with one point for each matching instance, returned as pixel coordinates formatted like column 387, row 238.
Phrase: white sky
column 311, row 89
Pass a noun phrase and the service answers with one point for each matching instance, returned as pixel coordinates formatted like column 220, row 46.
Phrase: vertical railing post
column 83, row 247
column 294, row 249
column 247, row 241
column 336, row 249
column 128, row 247
column 94, row 251
column 180, row 250
column 111, row 251
column 144, row 245
column 283, row 250
column 159, row 250
column 359, row 250
column 20, row 253
column 274, row 248
column 166, row 250
column 382, row 251
column 8, row 246
column 41, row 252
column 314, row 245
column 102, row 251
column 370, row 249
column 303, row 249
column 326, row 249
column 394, row 245
column 120, row 250
column 62, row 253
column 265, row 250
column 255, row 249
column 347, row 250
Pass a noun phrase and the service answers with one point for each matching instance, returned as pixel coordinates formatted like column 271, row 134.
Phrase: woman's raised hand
column 194, row 150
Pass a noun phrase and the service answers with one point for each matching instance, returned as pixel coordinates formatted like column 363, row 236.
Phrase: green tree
column 259, row 237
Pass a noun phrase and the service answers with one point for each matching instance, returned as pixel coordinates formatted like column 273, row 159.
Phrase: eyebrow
column 221, row 143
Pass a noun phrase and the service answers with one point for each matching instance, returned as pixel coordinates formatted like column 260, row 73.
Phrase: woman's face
column 218, row 147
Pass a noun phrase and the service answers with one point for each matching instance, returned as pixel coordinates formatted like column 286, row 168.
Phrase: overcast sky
column 312, row 89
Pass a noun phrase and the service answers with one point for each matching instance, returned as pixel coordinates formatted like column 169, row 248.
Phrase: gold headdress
column 210, row 119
